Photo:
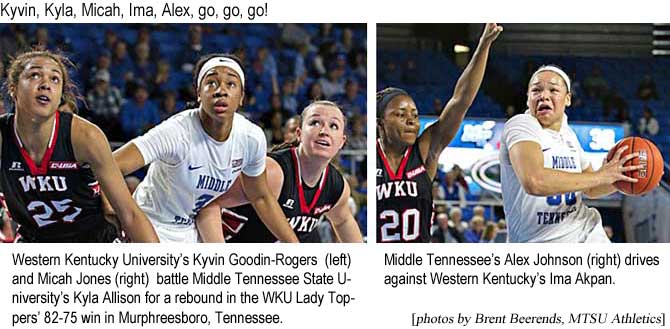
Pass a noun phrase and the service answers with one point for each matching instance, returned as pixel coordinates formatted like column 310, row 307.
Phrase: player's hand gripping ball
column 650, row 157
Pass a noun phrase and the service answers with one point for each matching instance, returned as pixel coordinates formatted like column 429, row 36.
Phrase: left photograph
column 183, row 133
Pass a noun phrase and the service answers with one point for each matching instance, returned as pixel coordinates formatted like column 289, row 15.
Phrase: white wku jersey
column 189, row 169
column 558, row 218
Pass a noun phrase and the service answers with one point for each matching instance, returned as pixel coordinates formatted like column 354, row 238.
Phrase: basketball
column 647, row 177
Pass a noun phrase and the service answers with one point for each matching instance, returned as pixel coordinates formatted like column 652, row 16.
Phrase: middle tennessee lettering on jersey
column 213, row 184
column 553, row 218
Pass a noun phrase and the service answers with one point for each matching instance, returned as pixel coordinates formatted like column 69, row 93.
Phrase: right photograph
column 523, row 133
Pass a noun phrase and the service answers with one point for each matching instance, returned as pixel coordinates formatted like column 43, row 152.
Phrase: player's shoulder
column 523, row 119
column 243, row 127
column 186, row 118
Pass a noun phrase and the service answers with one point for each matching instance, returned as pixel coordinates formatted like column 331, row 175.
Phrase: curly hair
column 70, row 92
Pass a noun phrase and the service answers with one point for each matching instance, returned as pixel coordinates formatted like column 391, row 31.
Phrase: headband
column 386, row 99
column 220, row 61
column 556, row 70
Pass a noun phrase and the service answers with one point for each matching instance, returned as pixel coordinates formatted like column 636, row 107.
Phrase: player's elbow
column 535, row 185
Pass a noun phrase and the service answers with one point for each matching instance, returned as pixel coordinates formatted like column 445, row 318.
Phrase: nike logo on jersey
column 379, row 173
column 547, row 149
column 191, row 168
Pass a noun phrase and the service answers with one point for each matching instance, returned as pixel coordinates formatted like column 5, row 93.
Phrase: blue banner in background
column 486, row 134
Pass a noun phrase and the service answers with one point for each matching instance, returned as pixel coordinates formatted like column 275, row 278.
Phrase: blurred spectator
column 502, row 224
column 102, row 63
column 410, row 74
column 359, row 64
column 169, row 105
column 300, row 70
column 442, row 233
column 646, row 90
column 648, row 125
column 391, row 74
column 144, row 69
column 352, row 102
column 164, row 80
column 595, row 85
column 357, row 139
column 478, row 211
column 139, row 114
column 193, row 50
column 315, row 94
column 614, row 103
column 346, row 43
column 12, row 39
column 294, row 35
column 324, row 57
column 290, row 126
column 273, row 128
column 456, row 226
column 123, row 66
column 453, row 190
column 288, row 96
column 41, row 41
column 110, row 40
column 325, row 33
column 104, row 103
column 438, row 191
column 624, row 118
column 474, row 233
column 332, row 84
column 489, row 234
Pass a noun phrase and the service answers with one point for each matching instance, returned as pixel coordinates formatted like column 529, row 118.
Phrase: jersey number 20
column 399, row 228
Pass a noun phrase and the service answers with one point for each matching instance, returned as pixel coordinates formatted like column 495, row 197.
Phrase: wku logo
column 63, row 165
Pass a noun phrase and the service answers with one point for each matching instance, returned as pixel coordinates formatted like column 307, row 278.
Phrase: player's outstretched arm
column 528, row 163
column 343, row 221
column 129, row 159
column 433, row 141
column 257, row 191
column 91, row 146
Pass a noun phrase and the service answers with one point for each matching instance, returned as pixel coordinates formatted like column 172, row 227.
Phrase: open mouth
column 220, row 105
column 543, row 109
column 323, row 143
column 44, row 100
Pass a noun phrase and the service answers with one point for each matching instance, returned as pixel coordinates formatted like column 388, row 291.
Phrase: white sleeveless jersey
column 189, row 169
column 558, row 218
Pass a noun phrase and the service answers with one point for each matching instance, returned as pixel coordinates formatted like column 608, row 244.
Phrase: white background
column 638, row 289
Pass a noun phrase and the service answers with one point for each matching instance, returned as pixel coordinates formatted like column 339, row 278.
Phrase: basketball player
column 545, row 171
column 52, row 161
column 302, row 180
column 196, row 155
column 407, row 164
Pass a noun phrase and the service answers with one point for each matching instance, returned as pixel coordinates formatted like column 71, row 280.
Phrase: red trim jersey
column 303, row 205
column 404, row 199
column 57, row 200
